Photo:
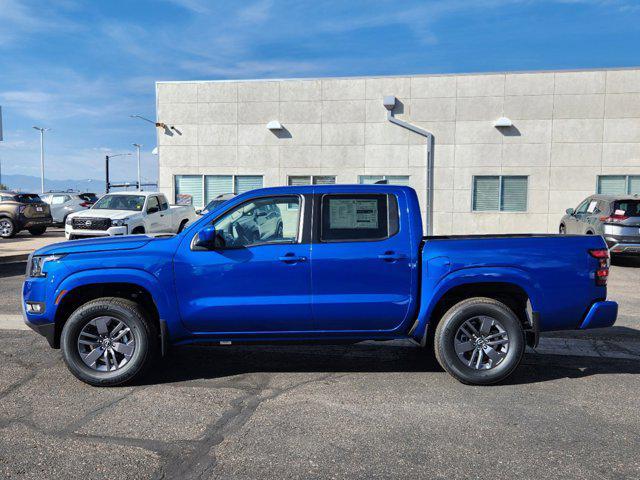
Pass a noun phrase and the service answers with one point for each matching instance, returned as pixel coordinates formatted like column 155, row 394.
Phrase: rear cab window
column 358, row 217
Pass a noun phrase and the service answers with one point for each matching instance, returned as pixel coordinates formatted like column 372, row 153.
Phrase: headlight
column 68, row 221
column 37, row 263
column 118, row 223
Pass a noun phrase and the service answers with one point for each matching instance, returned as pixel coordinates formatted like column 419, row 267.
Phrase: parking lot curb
column 22, row 257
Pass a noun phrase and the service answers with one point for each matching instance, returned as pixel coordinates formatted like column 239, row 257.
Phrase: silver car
column 616, row 218
column 64, row 203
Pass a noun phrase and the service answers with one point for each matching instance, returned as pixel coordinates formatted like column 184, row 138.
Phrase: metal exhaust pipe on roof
column 389, row 103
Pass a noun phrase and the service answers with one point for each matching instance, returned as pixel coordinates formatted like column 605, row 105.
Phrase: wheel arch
column 82, row 294
column 135, row 285
column 513, row 287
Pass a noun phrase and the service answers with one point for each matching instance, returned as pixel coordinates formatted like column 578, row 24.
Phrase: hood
column 127, row 242
column 99, row 213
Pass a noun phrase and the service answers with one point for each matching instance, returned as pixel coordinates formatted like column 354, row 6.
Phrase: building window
column 619, row 184
column 496, row 193
column 189, row 190
column 297, row 180
column 391, row 179
column 201, row 189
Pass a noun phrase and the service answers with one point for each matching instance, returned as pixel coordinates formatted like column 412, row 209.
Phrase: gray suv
column 616, row 218
column 64, row 203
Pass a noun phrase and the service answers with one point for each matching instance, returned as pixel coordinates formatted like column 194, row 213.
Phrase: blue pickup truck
column 338, row 263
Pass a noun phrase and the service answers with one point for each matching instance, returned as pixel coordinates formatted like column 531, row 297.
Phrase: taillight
column 85, row 204
column 614, row 218
column 602, row 273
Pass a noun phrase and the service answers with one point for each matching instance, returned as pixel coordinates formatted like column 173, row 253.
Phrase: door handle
column 291, row 258
column 391, row 256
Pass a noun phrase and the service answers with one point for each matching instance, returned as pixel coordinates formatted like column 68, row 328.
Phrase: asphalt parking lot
column 374, row 410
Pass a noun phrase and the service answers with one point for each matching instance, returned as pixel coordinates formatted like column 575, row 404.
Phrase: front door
column 250, row 282
column 154, row 215
column 361, row 266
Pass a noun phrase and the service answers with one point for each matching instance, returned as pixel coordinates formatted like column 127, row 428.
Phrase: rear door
column 361, row 264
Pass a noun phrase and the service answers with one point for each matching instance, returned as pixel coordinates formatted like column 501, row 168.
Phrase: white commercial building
column 566, row 135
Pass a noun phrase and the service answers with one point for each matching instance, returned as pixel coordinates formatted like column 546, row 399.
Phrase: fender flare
column 430, row 296
column 136, row 277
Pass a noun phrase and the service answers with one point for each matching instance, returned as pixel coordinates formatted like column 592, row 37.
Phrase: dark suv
column 23, row 211
column 616, row 218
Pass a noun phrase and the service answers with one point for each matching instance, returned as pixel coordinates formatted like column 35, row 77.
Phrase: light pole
column 106, row 168
column 42, row 130
column 137, row 145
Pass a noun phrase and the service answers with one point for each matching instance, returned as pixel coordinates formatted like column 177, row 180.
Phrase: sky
column 82, row 68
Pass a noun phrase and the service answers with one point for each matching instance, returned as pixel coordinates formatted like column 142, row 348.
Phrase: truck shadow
column 626, row 261
column 200, row 363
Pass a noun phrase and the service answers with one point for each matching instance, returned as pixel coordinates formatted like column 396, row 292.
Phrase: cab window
column 153, row 204
column 361, row 217
column 260, row 221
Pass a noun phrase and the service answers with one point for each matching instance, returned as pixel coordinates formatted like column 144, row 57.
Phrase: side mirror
column 199, row 211
column 151, row 210
column 207, row 237
column 570, row 211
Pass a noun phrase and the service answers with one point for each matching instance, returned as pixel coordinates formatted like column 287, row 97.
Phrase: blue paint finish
column 342, row 290
column 601, row 315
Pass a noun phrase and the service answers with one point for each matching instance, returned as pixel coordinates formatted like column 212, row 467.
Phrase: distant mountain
column 28, row 183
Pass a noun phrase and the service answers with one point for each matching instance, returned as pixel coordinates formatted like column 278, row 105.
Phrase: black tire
column 7, row 228
column 449, row 327
column 144, row 334
column 182, row 225
column 35, row 231
column 138, row 231
column 72, row 236
column 279, row 231
column 562, row 230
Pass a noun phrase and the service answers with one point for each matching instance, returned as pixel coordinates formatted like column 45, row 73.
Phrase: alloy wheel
column 106, row 344
column 6, row 228
column 481, row 343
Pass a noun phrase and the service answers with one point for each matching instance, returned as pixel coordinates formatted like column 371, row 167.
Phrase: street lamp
column 42, row 130
column 137, row 145
column 106, row 167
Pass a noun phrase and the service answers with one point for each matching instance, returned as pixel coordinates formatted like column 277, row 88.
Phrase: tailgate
column 35, row 210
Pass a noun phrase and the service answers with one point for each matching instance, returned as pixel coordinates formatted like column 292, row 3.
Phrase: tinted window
column 89, row 197
column 27, row 198
column 358, row 217
column 631, row 208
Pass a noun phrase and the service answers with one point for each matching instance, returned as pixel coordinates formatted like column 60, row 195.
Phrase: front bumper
column 110, row 232
column 39, row 323
column 600, row 315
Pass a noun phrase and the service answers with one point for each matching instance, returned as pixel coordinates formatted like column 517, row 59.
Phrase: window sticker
column 592, row 206
column 351, row 213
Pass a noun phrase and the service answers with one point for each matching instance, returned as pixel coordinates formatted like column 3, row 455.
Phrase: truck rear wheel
column 479, row 341
column 108, row 342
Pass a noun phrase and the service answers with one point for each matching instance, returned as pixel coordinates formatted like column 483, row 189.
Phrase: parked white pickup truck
column 125, row 213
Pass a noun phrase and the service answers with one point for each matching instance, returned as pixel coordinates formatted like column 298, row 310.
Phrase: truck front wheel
column 479, row 341
column 108, row 342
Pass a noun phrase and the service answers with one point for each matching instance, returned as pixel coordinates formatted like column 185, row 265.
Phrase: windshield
column 120, row 202
column 631, row 208
column 27, row 198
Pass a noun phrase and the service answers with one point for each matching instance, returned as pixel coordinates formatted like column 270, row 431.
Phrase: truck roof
column 146, row 194
column 339, row 188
